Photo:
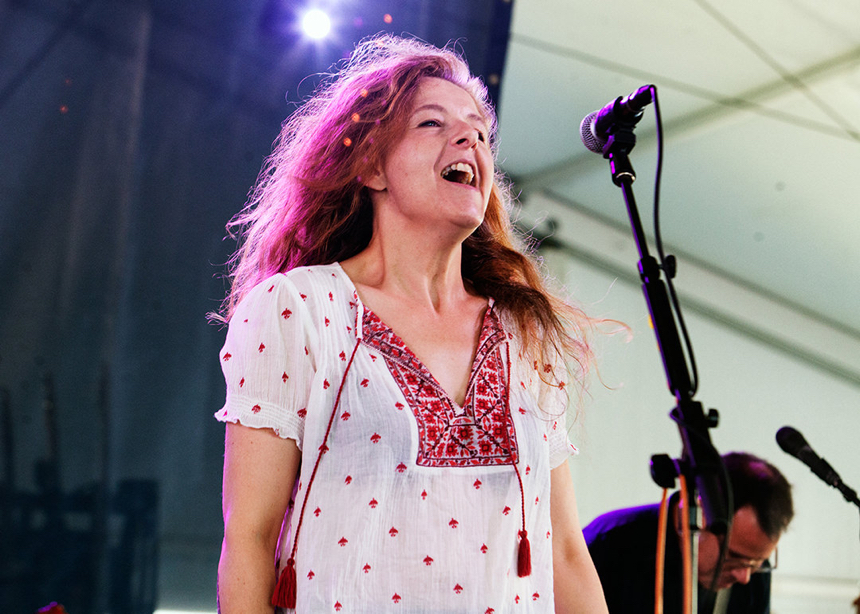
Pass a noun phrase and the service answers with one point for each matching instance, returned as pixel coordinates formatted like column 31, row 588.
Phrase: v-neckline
column 490, row 335
column 396, row 349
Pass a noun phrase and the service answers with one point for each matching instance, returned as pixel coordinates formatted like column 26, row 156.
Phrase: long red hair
column 310, row 206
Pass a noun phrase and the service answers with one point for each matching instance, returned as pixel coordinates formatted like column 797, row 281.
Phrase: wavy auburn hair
column 310, row 205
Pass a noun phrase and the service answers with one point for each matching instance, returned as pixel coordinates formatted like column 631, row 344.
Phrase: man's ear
column 377, row 181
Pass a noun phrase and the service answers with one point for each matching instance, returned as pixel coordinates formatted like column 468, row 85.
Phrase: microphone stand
column 700, row 462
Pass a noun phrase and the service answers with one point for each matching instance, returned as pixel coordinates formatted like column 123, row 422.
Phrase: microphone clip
column 610, row 130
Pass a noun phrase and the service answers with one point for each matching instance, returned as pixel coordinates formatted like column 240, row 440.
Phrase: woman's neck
column 416, row 275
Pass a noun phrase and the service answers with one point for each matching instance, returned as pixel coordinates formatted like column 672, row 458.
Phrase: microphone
column 792, row 442
column 596, row 128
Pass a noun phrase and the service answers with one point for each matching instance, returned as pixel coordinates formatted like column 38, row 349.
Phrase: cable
column 686, row 547
column 667, row 263
column 660, row 567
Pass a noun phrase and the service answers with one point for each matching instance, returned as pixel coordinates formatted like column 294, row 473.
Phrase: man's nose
column 742, row 575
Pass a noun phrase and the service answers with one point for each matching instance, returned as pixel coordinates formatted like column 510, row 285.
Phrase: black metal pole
column 700, row 461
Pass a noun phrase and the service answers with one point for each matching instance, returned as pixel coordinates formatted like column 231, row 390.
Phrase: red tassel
column 285, row 592
column 524, row 556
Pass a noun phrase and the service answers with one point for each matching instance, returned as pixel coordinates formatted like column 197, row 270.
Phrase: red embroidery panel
column 479, row 434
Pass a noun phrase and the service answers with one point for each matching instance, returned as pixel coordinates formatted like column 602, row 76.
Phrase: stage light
column 316, row 24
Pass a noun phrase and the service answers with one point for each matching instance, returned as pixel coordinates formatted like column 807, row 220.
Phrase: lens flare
column 316, row 24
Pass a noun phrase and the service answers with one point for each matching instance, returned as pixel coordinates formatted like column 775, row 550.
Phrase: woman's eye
column 431, row 122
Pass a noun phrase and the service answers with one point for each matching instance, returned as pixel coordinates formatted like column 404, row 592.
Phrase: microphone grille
column 790, row 440
column 586, row 133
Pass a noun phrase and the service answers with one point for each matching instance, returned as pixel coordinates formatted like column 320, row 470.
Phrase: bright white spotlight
column 316, row 24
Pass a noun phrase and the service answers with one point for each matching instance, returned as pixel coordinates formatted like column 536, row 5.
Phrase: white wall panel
column 757, row 382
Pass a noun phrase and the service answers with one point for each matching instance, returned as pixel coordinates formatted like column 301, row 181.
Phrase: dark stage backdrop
column 130, row 132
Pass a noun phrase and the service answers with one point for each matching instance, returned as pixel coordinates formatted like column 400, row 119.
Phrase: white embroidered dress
column 416, row 506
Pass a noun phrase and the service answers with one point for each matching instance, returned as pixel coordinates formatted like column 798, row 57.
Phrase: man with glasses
column 623, row 545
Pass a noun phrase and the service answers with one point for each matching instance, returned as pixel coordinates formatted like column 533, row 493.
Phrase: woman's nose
column 466, row 135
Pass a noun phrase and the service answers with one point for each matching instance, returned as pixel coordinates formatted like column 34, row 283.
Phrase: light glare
column 316, row 24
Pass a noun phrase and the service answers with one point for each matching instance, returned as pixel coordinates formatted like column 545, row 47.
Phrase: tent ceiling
column 760, row 106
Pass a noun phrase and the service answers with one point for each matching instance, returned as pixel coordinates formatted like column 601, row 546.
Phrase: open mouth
column 459, row 172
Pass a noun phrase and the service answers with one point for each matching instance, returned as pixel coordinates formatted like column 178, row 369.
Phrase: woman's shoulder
column 308, row 295
column 319, row 282
column 306, row 281
column 312, row 292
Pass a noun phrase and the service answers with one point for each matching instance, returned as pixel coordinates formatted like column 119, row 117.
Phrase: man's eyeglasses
column 734, row 562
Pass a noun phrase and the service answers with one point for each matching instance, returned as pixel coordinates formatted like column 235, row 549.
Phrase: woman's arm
column 259, row 471
column 575, row 581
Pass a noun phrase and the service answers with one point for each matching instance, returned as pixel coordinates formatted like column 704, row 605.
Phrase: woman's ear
column 377, row 181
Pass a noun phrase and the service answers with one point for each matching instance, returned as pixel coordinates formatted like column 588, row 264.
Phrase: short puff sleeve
column 268, row 360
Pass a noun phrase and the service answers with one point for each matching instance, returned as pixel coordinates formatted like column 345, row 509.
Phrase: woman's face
column 440, row 173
